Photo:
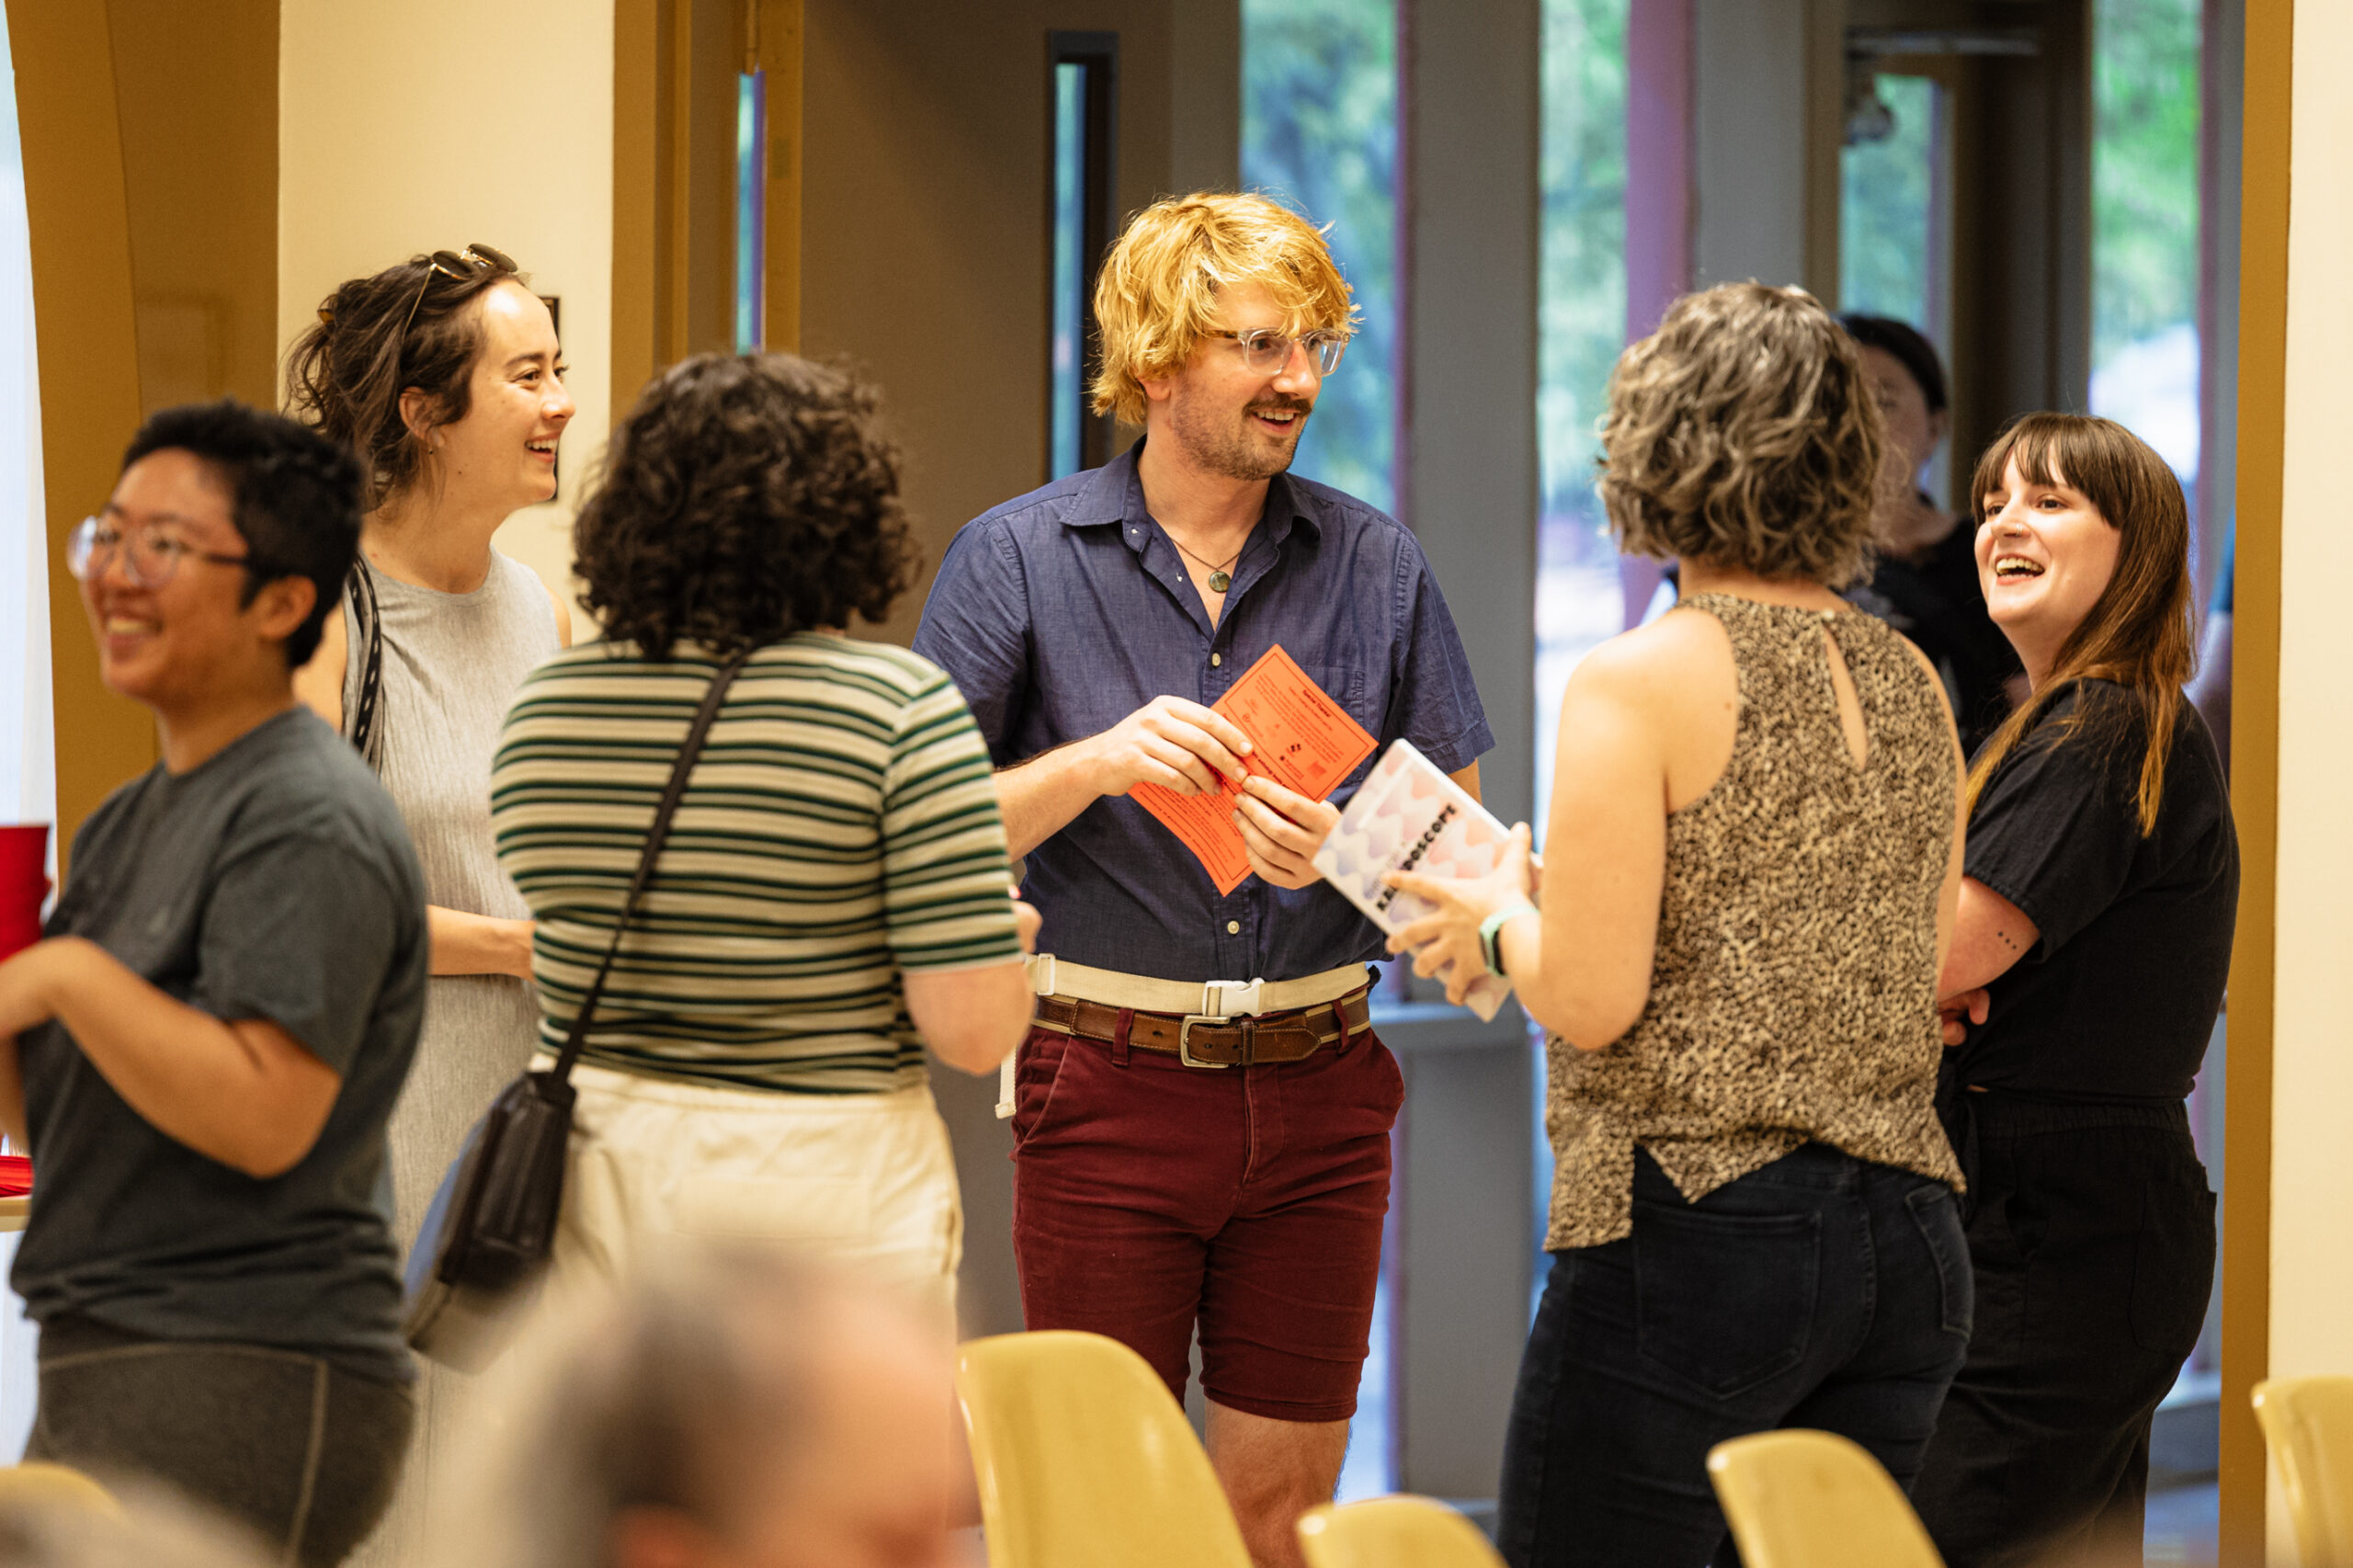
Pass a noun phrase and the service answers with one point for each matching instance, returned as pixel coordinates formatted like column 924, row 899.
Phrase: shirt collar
column 1114, row 493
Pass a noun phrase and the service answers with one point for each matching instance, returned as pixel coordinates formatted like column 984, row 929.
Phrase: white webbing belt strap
column 1050, row 976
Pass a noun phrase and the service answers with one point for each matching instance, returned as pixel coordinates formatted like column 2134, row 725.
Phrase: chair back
column 1085, row 1462
column 2308, row 1425
column 1392, row 1532
column 37, row 1484
column 1800, row 1499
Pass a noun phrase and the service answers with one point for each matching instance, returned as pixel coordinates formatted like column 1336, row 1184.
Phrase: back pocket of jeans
column 1724, row 1302
column 1939, row 1219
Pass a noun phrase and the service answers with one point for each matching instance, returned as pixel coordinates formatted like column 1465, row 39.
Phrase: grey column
column 1468, row 488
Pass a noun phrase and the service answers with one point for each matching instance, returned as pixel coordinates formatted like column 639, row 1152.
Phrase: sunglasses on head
column 476, row 261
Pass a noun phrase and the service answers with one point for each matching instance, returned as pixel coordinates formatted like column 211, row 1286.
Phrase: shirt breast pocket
column 1361, row 697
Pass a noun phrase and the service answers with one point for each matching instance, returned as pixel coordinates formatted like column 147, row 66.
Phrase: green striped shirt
column 840, row 829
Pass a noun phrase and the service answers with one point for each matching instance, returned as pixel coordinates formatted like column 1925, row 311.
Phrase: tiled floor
column 2181, row 1527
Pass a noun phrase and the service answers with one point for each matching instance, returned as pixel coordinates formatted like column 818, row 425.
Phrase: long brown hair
column 2138, row 633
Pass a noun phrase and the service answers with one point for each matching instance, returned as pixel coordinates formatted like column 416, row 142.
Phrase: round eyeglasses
column 1267, row 353
column 150, row 558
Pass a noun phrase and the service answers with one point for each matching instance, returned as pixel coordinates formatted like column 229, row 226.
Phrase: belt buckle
column 1222, row 1000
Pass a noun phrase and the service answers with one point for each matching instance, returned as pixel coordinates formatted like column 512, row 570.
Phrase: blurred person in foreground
column 1924, row 572
column 1227, row 1140
column 722, row 1408
column 1752, row 867
column 833, row 896
column 207, row 1048
column 2093, row 945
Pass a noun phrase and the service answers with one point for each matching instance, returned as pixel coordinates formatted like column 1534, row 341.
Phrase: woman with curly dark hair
column 833, row 892
column 1754, row 856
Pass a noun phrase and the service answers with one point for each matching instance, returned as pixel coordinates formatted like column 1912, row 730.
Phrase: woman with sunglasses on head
column 2087, row 966
column 444, row 375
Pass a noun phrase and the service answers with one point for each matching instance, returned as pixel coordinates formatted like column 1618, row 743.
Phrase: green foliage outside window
column 1885, row 189
column 2145, row 170
column 1582, row 308
column 1319, row 130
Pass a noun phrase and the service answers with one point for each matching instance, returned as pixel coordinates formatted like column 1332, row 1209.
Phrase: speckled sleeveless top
column 1793, row 989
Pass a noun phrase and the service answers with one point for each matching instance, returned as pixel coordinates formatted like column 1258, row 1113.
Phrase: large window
column 1080, row 185
column 1319, row 130
column 27, row 774
column 1580, row 599
column 2145, row 227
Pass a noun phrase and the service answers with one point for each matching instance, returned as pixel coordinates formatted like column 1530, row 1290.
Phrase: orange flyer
column 1300, row 738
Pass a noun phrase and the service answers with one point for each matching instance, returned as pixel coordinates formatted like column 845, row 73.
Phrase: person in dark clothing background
column 1925, row 581
column 2099, row 893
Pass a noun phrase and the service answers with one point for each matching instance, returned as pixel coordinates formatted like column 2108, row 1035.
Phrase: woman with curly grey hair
column 1754, row 856
column 833, row 895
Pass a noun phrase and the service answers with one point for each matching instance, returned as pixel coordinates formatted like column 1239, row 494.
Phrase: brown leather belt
column 1200, row 1041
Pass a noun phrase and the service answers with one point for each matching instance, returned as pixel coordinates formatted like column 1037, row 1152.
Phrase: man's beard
column 1228, row 451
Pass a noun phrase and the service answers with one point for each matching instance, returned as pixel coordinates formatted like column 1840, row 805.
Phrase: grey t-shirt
column 273, row 881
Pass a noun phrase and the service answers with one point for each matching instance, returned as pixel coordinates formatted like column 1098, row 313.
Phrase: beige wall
column 923, row 224
column 2312, row 1281
column 434, row 123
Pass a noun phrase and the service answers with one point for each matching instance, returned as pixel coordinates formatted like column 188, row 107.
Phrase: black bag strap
column 363, row 726
column 688, row 751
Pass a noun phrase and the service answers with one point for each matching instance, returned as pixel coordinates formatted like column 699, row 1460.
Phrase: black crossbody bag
column 489, row 1229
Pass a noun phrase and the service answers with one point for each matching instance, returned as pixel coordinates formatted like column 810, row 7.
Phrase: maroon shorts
column 1148, row 1195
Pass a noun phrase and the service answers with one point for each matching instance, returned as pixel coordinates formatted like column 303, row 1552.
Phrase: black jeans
column 2091, row 1230
column 1821, row 1291
column 295, row 1447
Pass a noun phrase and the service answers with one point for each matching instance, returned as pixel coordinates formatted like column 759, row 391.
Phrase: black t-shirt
column 2117, row 999
column 276, row 881
column 1938, row 602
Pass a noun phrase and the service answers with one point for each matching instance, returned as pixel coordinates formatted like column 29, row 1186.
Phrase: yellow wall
column 88, row 355
column 2312, row 1196
column 434, row 123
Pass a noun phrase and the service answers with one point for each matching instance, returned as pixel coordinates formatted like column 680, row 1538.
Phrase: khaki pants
column 866, row 1180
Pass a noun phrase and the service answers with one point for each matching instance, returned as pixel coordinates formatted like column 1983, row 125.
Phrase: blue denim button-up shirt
column 1063, row 611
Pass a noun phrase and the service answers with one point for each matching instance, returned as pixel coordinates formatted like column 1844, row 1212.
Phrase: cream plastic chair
column 1393, row 1532
column 36, row 1484
column 1802, row 1499
column 1084, row 1461
column 2308, row 1425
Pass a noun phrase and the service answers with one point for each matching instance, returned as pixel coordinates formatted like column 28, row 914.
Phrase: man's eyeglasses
column 1267, row 352
column 153, row 554
column 474, row 261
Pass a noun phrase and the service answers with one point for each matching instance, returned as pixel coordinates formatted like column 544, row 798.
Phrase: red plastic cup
column 23, row 884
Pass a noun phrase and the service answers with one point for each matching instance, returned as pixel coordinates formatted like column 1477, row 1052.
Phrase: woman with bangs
column 2093, row 943
column 1753, row 858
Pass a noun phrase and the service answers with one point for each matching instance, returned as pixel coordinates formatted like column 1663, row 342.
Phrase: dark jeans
column 2092, row 1233
column 293, row 1447
column 1821, row 1291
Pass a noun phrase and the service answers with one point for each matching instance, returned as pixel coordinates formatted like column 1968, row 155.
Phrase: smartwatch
column 1490, row 932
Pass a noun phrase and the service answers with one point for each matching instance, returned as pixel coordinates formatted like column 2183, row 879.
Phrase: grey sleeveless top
column 451, row 666
column 1793, row 987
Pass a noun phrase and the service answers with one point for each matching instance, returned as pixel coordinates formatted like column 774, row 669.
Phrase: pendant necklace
column 1219, row 579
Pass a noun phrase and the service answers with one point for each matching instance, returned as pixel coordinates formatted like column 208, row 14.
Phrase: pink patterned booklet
column 1408, row 816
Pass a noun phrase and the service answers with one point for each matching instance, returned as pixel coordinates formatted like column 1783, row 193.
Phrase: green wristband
column 1490, row 934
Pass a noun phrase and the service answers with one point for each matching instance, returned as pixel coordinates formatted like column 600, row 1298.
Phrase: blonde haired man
column 1201, row 1130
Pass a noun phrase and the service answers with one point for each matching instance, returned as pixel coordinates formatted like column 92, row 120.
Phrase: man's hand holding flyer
column 1300, row 738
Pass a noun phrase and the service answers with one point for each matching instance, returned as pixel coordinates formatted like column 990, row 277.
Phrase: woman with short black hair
column 2091, row 950
column 833, row 893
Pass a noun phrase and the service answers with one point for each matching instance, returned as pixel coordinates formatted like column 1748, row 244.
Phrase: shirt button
column 1233, row 927
column 1216, row 659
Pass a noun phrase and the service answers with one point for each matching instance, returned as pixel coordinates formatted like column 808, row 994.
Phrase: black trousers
column 2091, row 1231
column 300, row 1451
